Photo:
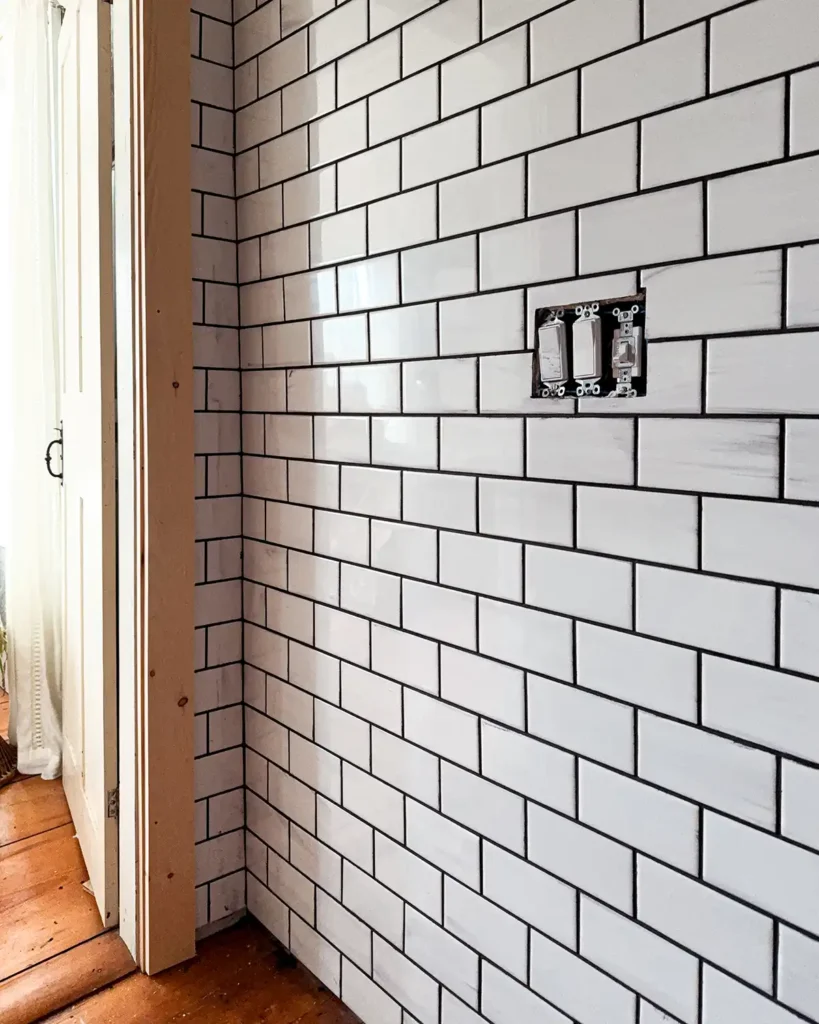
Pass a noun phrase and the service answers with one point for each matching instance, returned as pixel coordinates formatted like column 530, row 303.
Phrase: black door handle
column 57, row 441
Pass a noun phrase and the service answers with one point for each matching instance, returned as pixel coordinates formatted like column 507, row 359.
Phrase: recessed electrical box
column 591, row 350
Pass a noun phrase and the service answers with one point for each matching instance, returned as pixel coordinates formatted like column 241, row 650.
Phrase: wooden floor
column 241, row 976
column 52, row 946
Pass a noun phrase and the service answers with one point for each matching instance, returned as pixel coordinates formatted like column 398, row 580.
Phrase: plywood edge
column 64, row 979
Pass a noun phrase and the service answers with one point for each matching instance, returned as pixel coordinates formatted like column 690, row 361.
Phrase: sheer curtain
column 34, row 592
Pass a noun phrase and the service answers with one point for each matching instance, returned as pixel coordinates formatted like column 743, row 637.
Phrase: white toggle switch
column 553, row 355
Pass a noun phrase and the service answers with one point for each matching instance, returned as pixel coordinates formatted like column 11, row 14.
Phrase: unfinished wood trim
column 155, row 387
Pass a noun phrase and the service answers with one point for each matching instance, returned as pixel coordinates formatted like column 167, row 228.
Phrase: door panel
column 87, row 334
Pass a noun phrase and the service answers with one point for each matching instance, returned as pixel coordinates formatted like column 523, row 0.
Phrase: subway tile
column 527, row 253
column 307, row 295
column 481, row 323
column 486, row 687
column 763, row 40
column 310, row 196
column 769, row 708
column 308, row 98
column 721, row 455
column 528, row 767
column 440, row 151
column 492, row 69
column 536, row 117
column 405, row 441
column 256, row 32
column 702, row 920
column 415, row 772
column 339, row 32
column 439, row 270
column 440, row 953
column 447, row 28
column 799, row 634
column 804, row 89
column 444, row 730
column 408, row 550
column 406, row 982
column 439, row 386
column 373, row 801
column 650, row 228
column 659, row 74
column 404, row 107
column 341, row 339
column 580, row 585
column 580, row 32
column 386, row 15
column 439, row 613
column 493, row 195
column 369, row 68
column 662, row 15
column 761, row 540
column 717, row 134
column 506, row 1001
column 475, row 445
column 484, row 566
column 259, row 122
column 526, row 638
column 372, row 594
column 581, row 857
column 436, row 499
column 370, row 389
column 368, row 285
column 600, row 451
column 283, row 157
column 706, row 611
column 285, row 252
column 283, row 63
column 345, row 636
column 800, row 791
column 732, row 294
column 404, row 333
column 344, row 931
column 403, row 221
column 340, row 238
column 803, row 306
column 489, row 930
column 342, row 536
column 297, row 13
column 527, row 510
column 767, row 206
column 404, row 657
column 738, row 379
column 352, row 838
column 709, row 769
column 338, row 135
column 342, row 438
column 798, row 964
column 370, row 1003
column 482, row 806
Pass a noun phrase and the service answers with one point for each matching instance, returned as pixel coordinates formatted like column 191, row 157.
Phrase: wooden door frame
column 151, row 42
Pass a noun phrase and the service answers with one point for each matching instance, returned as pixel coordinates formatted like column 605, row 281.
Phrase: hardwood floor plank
column 30, row 806
column 39, row 864
column 50, row 986
column 241, row 976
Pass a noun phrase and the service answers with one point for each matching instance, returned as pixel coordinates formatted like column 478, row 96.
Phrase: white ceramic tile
column 659, row 970
column 675, row 371
column 285, row 252
column 738, row 380
column 527, row 120
column 283, row 63
column 296, row 13
column 726, row 456
column 482, row 806
column 312, row 577
column 313, row 483
column 308, row 98
column 369, row 176
column 449, row 27
column 307, row 295
column 408, row 550
column 375, row 595
column 370, row 1003
column 527, row 253
column 803, row 303
column 289, row 436
column 404, row 220
column 260, row 212
column 526, row 510
column 800, row 788
column 339, row 32
column 404, row 107
column 369, row 284
column 439, row 270
column 439, row 613
column 287, row 345
column 804, row 90
column 494, row 933
column 637, row 670
column 800, row 631
column 313, row 390
column 482, row 323
column 640, row 230
column 405, row 441
column 706, row 611
column 761, row 540
column 339, row 238
column 481, row 565
column 341, row 339
column 508, row 1002
column 524, row 637
column 402, row 979
column 440, row 151
column 414, row 772
column 483, row 198
column 581, row 857
column 708, row 769
column 283, row 157
column 342, row 536
column 764, row 40
column 371, row 389
column 762, row 870
column 580, row 32
column 581, row 449
column 371, row 491
column 583, row 171
column 386, row 14
column 528, row 767
column 480, row 445
column 767, row 206
column 340, row 830
column 798, row 961
column 487, row 71
column 579, row 585
column 442, row 729
column 406, row 658
column 259, row 122
column 371, row 697
column 440, row 500
column 733, row 130
column 369, row 68
column 338, row 135
column 490, row 689
column 660, row 74
column 256, row 32
column 214, row 85
column 662, row 15
column 757, row 704
column 404, row 333
column 312, row 195
column 261, row 303
column 342, row 438
column 445, row 385
column 733, row 294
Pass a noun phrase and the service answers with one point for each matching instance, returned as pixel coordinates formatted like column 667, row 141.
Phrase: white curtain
column 34, row 593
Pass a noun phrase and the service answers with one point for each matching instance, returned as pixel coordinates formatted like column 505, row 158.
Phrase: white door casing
column 84, row 121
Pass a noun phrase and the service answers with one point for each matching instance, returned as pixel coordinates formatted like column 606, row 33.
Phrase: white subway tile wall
column 530, row 689
column 220, row 735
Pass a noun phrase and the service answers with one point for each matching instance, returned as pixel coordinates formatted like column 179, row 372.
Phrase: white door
column 86, row 264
